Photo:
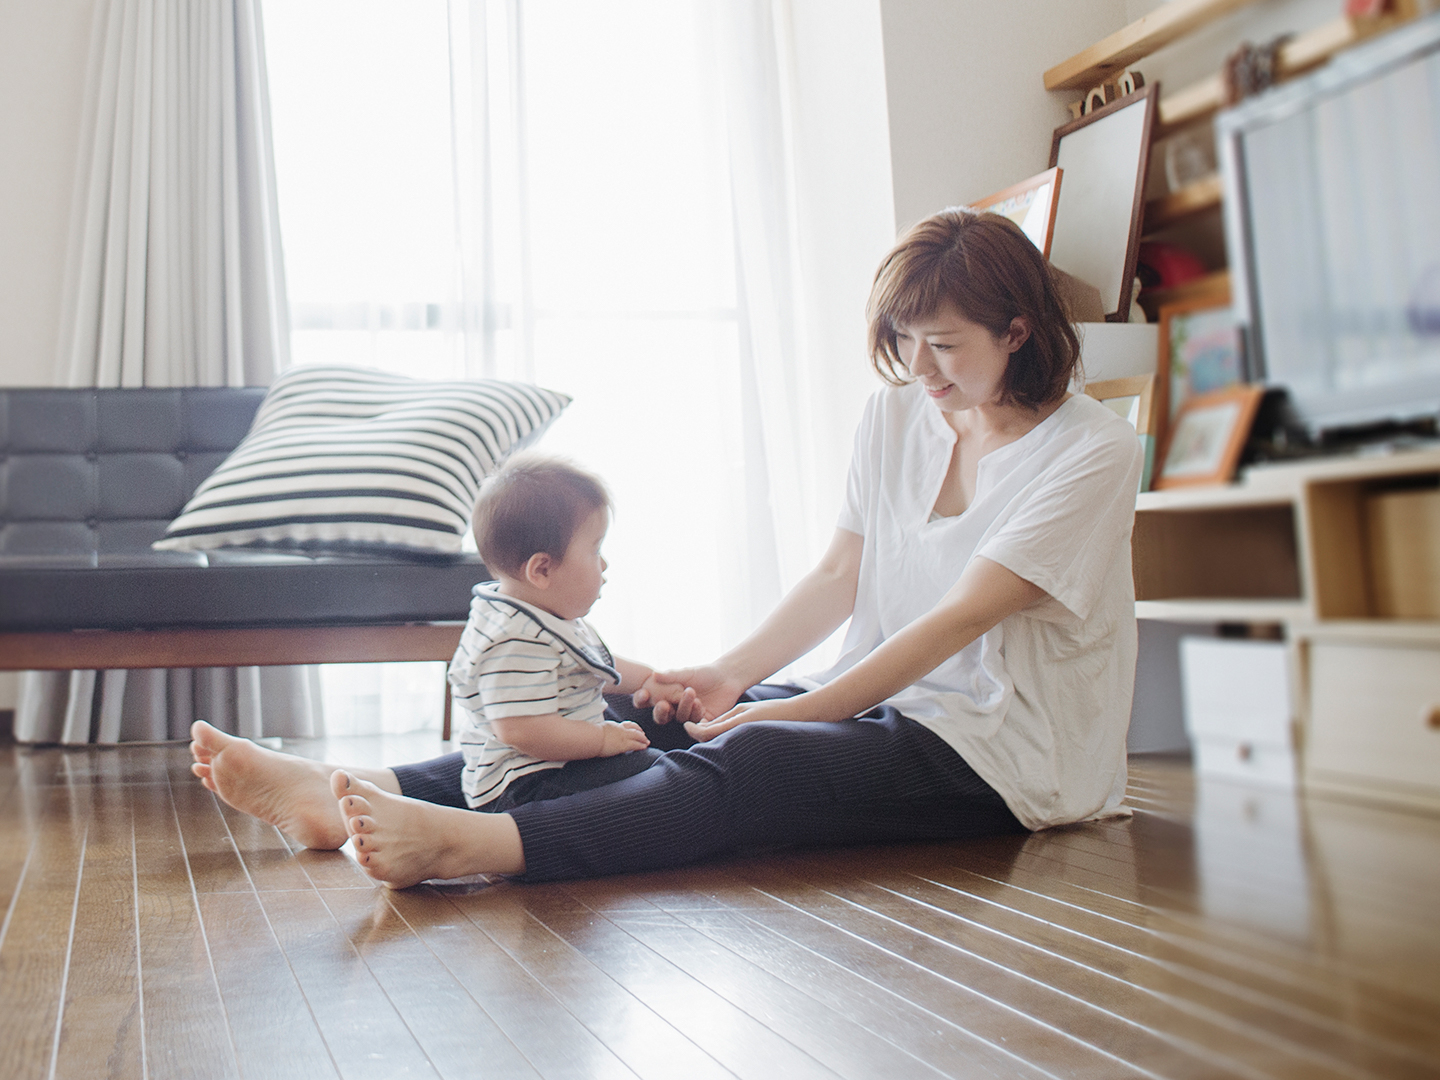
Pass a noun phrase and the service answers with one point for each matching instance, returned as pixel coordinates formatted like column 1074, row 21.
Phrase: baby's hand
column 670, row 697
column 621, row 738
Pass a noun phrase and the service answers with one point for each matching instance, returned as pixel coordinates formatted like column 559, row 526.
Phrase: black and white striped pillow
column 343, row 456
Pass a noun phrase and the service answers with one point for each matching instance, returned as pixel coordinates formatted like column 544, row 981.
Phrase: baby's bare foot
column 402, row 842
column 291, row 793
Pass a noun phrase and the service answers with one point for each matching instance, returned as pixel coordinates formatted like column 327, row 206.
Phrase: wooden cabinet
column 1312, row 546
column 1374, row 711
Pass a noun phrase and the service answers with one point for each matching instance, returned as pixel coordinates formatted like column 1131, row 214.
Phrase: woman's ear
column 536, row 570
column 1018, row 334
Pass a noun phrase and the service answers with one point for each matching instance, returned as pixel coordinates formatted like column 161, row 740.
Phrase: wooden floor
column 1222, row 931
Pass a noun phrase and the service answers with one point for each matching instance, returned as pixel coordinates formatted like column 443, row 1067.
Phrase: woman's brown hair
column 984, row 267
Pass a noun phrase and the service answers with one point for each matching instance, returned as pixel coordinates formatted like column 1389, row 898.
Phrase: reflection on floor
column 1222, row 931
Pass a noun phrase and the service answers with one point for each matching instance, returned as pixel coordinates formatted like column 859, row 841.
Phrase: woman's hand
column 747, row 712
column 689, row 695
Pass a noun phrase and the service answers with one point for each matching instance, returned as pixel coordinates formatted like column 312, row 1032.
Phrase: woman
column 983, row 560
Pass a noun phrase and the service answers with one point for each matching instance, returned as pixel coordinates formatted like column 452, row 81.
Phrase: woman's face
column 960, row 363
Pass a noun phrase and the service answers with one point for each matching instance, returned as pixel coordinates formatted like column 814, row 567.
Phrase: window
column 610, row 258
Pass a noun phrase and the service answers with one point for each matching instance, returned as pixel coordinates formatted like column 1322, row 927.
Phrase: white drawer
column 1373, row 719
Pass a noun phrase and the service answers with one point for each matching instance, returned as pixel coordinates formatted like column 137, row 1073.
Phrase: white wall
column 969, row 112
column 43, row 50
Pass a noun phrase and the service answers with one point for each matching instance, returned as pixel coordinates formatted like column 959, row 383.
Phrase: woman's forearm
column 808, row 614
column 985, row 594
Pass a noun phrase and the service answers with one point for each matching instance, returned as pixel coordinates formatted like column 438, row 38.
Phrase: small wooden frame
column 1030, row 204
column 1200, row 345
column 1139, row 396
column 1207, row 436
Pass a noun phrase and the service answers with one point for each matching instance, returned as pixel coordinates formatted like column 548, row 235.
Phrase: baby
column 530, row 674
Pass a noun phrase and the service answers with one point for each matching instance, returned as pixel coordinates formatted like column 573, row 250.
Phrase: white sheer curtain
column 174, row 278
column 667, row 209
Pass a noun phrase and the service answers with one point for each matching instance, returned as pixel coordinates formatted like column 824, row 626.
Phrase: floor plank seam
column 69, row 947
column 881, row 989
column 458, row 981
column 1218, row 983
column 1196, row 1050
column 204, row 933
column 1204, row 1013
column 619, row 987
column 139, row 960
column 270, row 926
column 1005, row 1006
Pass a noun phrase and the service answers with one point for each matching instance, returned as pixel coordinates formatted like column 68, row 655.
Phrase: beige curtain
column 174, row 278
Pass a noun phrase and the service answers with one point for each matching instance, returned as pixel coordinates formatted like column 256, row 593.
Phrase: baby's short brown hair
column 533, row 504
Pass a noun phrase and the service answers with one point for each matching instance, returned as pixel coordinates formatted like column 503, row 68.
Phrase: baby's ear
column 537, row 568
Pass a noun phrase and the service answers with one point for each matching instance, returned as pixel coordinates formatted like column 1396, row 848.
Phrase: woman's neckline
column 991, row 456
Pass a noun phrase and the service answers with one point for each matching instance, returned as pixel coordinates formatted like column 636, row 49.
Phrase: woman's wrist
column 737, row 669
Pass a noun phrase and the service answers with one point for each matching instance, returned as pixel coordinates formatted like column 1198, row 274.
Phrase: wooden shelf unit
column 1294, row 545
column 1301, row 53
column 1108, row 58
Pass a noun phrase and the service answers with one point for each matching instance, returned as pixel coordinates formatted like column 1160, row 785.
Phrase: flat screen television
column 1332, row 221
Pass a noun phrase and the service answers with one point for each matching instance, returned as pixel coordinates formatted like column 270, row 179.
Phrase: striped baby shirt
column 515, row 659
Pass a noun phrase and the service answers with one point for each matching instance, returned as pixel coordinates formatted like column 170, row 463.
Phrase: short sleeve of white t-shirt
column 1040, row 704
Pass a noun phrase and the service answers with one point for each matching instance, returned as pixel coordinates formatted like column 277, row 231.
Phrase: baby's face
column 575, row 584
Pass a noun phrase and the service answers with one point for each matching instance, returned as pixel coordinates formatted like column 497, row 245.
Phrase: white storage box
column 1238, row 712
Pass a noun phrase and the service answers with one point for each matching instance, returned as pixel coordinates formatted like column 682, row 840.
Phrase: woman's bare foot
column 289, row 792
column 402, row 842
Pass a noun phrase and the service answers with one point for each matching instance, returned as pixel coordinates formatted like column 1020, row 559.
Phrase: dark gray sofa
column 89, row 478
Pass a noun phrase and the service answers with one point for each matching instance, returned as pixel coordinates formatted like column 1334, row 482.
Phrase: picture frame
column 1207, row 436
column 1105, row 157
column 1030, row 204
column 1201, row 346
column 1135, row 399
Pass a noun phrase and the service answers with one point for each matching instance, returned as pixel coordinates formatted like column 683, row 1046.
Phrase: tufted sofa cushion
column 90, row 478
column 90, row 471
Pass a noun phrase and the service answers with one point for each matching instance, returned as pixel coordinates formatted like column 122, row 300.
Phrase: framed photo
column 1030, row 204
column 1134, row 399
column 1105, row 156
column 1200, row 346
column 1207, row 436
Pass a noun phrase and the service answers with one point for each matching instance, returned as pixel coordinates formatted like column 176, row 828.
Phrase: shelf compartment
column 1239, row 553
column 1363, row 532
column 1194, row 198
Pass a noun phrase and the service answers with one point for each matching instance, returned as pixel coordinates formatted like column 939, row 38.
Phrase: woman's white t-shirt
column 1039, row 705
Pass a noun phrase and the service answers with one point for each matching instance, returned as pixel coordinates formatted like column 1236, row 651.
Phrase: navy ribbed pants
column 881, row 777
